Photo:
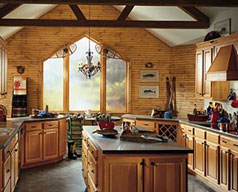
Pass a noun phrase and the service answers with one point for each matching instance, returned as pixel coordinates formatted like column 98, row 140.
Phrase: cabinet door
column 234, row 170
column 33, row 146
column 189, row 144
column 14, row 166
column 62, row 137
column 212, row 165
column 50, row 144
column 166, row 174
column 224, row 168
column 127, row 170
column 207, row 63
column 199, row 156
column 199, row 74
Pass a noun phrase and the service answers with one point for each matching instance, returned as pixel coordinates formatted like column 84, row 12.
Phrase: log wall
column 32, row 45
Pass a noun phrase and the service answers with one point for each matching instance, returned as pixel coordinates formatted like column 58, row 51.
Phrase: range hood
column 225, row 65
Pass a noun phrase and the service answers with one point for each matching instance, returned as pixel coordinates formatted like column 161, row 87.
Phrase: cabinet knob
column 16, row 150
column 224, row 141
column 8, row 170
column 9, row 152
column 92, row 171
column 235, row 145
column 152, row 163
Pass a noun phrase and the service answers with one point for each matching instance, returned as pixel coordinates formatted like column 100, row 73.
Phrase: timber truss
column 188, row 6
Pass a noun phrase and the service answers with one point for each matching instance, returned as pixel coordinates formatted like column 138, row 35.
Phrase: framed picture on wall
column 149, row 76
column 149, row 91
column 223, row 27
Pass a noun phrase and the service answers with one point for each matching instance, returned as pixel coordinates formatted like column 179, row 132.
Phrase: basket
column 192, row 117
column 106, row 125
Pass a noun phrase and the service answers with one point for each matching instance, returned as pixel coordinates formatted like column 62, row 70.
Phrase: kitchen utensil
column 106, row 125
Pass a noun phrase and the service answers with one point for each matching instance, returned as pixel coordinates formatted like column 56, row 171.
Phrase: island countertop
column 116, row 146
column 16, row 123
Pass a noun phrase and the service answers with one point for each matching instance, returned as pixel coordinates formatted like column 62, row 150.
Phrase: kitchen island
column 113, row 165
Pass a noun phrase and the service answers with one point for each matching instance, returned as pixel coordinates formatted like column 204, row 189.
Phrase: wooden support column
column 66, row 84
column 103, row 85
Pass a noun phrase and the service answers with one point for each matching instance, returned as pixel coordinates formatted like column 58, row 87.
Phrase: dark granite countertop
column 16, row 123
column 116, row 146
column 202, row 125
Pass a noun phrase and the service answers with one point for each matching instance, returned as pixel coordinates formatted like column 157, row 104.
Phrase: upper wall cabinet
column 205, row 54
column 3, row 68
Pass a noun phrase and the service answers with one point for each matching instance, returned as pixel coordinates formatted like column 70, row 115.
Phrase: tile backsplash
column 226, row 105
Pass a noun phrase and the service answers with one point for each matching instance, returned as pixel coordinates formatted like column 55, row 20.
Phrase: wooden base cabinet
column 44, row 142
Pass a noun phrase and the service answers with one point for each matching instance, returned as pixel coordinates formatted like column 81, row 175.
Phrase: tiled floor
column 66, row 176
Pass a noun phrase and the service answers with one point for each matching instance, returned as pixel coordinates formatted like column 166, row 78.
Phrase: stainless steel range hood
column 225, row 65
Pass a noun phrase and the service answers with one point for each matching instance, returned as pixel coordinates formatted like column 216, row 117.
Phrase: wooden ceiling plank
column 189, row 3
column 104, row 23
column 196, row 14
column 77, row 12
column 5, row 10
column 125, row 13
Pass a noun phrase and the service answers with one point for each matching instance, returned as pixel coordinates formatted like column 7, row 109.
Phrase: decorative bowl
column 106, row 125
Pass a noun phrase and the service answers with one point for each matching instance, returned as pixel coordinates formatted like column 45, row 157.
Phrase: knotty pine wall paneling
column 32, row 45
column 183, row 68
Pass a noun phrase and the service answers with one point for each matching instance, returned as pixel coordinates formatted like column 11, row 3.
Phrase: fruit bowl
column 106, row 125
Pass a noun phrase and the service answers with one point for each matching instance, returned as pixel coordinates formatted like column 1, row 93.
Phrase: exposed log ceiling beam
column 196, row 14
column 189, row 3
column 104, row 23
column 77, row 12
column 7, row 9
column 125, row 13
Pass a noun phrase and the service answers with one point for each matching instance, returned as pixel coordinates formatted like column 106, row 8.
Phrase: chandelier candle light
column 89, row 69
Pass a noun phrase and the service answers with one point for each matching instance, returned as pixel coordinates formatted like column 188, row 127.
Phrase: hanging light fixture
column 89, row 69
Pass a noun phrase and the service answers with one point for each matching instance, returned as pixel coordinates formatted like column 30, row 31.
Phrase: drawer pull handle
column 146, row 124
column 202, row 143
column 224, row 141
column 92, row 171
column 190, row 130
column 50, row 125
column 226, row 152
column 8, row 170
column 9, row 152
column 33, row 126
column 235, row 145
column 16, row 150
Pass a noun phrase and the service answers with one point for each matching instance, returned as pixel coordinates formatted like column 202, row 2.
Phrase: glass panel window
column 116, row 85
column 53, row 84
column 84, row 93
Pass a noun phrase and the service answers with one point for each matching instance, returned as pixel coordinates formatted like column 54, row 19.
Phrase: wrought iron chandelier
column 89, row 69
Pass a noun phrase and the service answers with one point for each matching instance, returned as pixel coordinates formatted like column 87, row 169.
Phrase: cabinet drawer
column 91, row 186
column 225, row 142
column 6, row 171
column 189, row 129
column 234, row 145
column 200, row 133
column 51, row 124
column 92, row 149
column 213, row 137
column 9, row 148
column 92, row 168
column 146, row 124
column 33, row 126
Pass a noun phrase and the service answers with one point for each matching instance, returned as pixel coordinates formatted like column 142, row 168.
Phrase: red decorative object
column 234, row 104
column 106, row 125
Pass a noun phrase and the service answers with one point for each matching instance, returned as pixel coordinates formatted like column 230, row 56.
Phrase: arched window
column 67, row 89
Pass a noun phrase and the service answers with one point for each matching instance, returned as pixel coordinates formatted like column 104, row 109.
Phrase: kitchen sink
column 6, row 131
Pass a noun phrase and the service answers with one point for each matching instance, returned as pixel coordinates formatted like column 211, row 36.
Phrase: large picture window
column 67, row 89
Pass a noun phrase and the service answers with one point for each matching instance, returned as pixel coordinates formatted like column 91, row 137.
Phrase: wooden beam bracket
column 77, row 12
column 5, row 10
column 125, row 13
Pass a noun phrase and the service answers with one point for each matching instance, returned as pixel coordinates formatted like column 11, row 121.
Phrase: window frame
column 66, row 82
